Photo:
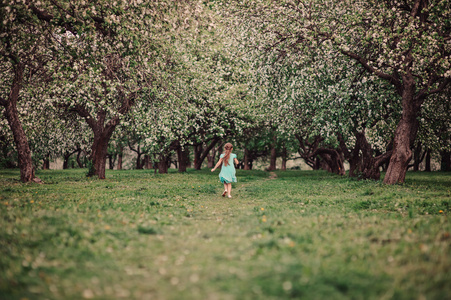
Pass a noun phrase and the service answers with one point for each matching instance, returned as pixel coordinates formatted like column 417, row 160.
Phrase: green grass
column 302, row 235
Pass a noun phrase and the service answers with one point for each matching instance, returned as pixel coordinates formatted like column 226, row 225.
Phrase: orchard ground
column 294, row 234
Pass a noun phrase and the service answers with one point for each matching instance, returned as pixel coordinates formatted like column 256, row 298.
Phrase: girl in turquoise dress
column 227, row 174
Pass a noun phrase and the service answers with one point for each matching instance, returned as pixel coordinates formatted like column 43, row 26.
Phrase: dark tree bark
column 197, row 154
column 210, row 161
column 370, row 164
column 333, row 159
column 215, row 155
column 162, row 167
column 248, row 160
column 428, row 161
column 111, row 161
column 79, row 162
column 119, row 159
column 99, row 149
column 163, row 164
column 201, row 153
column 310, row 151
column 12, row 116
column 66, row 157
column 147, row 162
column 139, row 162
column 183, row 158
column 273, row 156
column 417, row 157
column 361, row 159
column 445, row 164
column 405, row 135
column 353, row 156
column 212, row 156
column 102, row 135
column 284, row 159
column 316, row 164
column 46, row 163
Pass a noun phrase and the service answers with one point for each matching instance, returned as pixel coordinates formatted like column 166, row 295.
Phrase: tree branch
column 441, row 87
column 390, row 78
column 379, row 160
column 83, row 112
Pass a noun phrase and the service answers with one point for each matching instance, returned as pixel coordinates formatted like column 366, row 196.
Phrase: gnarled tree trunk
column 99, row 150
column 405, row 134
column 12, row 116
column 102, row 136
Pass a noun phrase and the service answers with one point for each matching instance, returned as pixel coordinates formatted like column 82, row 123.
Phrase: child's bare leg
column 225, row 190
column 229, row 189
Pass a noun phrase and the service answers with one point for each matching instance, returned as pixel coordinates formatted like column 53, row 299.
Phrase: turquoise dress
column 227, row 174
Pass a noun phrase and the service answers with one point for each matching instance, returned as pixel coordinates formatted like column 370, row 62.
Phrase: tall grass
column 309, row 235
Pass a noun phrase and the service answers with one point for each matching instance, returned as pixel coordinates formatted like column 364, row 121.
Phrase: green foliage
column 302, row 234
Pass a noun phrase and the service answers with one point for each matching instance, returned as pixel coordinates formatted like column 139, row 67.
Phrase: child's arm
column 236, row 161
column 217, row 165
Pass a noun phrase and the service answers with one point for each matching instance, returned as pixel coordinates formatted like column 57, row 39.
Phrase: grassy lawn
column 309, row 235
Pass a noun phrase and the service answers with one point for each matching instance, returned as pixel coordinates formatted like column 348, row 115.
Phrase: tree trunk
column 147, row 163
column 182, row 157
column 317, row 164
column 201, row 153
column 20, row 139
column 369, row 168
column 67, row 155
column 273, row 158
column 417, row 158
column 333, row 160
column 445, row 164
column 102, row 136
column 405, row 135
column 99, row 149
column 247, row 160
column 139, row 163
column 66, row 161
column 197, row 154
column 352, row 156
column 46, row 164
column 211, row 158
column 272, row 163
column 188, row 159
column 428, row 161
column 111, row 160
column 284, row 159
column 355, row 164
column 210, row 161
column 119, row 161
column 80, row 164
column 163, row 165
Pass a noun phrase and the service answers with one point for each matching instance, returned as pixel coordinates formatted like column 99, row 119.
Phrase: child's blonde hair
column 227, row 150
